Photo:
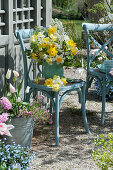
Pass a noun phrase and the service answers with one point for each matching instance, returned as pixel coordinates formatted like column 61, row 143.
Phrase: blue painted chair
column 56, row 98
column 102, row 70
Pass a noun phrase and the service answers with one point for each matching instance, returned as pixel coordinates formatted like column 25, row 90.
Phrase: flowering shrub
column 51, row 45
column 14, row 156
column 55, row 83
column 37, row 111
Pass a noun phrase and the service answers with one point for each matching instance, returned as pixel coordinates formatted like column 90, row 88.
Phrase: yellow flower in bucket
column 34, row 57
column 52, row 51
column 59, row 59
column 33, row 38
column 52, row 45
column 71, row 43
column 52, row 30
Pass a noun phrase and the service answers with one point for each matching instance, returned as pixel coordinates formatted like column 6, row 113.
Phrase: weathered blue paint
column 95, row 73
column 55, row 98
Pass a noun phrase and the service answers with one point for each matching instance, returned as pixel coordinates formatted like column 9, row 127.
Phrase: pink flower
column 12, row 89
column 50, row 121
column 5, row 103
column 4, row 129
column 3, row 117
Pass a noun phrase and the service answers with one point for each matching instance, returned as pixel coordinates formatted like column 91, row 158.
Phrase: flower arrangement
column 55, row 83
column 14, row 156
column 51, row 45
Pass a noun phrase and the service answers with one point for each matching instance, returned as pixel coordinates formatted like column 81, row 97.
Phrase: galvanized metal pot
column 23, row 131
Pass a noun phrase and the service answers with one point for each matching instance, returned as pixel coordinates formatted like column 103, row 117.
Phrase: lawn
column 75, row 27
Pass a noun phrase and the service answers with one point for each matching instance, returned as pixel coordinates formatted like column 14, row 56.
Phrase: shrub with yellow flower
column 52, row 45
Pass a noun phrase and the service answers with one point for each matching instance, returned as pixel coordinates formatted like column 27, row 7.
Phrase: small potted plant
column 19, row 113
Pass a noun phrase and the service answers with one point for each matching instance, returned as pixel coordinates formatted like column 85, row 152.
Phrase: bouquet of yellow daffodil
column 51, row 45
column 55, row 83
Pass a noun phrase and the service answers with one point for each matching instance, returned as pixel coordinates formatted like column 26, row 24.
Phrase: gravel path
column 74, row 152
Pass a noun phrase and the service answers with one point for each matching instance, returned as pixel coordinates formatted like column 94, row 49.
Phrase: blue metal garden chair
column 102, row 70
column 56, row 98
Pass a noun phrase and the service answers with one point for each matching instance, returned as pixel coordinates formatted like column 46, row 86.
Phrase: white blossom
column 18, row 99
column 16, row 74
column 8, row 74
column 27, row 89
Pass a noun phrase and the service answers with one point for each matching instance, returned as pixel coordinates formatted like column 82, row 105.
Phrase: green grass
column 75, row 26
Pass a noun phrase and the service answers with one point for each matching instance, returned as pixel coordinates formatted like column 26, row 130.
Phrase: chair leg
column 84, row 110
column 103, row 101
column 88, row 84
column 51, row 108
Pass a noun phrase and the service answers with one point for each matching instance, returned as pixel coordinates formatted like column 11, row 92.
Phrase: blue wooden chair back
column 21, row 35
column 103, row 69
column 96, row 28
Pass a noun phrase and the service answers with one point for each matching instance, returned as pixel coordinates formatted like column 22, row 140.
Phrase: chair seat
column 96, row 72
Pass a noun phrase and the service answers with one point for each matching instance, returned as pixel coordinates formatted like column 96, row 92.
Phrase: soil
column 74, row 151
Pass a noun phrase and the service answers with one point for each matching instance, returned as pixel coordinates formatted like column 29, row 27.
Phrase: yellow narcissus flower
column 71, row 43
column 56, row 87
column 40, row 35
column 59, row 59
column 36, row 80
column 64, row 81
column 52, row 30
column 34, row 57
column 53, row 37
column 33, row 38
column 45, row 45
column 52, row 51
column 45, row 39
column 48, row 82
column 55, row 77
column 41, row 54
column 74, row 51
column 49, row 60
